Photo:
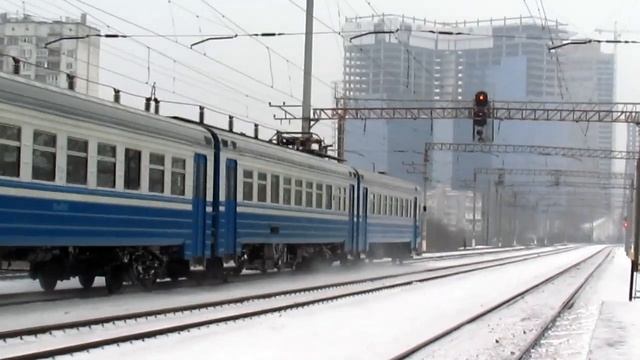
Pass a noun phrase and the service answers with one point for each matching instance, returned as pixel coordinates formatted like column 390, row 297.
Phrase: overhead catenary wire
column 395, row 34
column 174, row 61
column 219, row 62
column 230, row 86
column 256, row 36
column 559, row 70
column 195, row 103
column 128, row 55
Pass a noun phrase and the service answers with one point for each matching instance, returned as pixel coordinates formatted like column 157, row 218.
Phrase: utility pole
column 636, row 235
column 422, row 169
column 473, row 224
column 308, row 71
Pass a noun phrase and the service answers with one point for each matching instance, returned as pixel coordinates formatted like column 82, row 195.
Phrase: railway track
column 29, row 297
column 464, row 254
column 76, row 336
column 534, row 337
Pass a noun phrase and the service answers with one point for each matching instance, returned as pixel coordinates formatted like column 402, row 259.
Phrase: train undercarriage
column 147, row 265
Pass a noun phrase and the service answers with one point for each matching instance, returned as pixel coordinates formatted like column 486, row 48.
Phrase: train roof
column 267, row 150
column 66, row 103
column 29, row 94
column 372, row 178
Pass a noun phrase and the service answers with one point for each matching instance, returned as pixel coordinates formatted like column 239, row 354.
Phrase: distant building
column 25, row 37
column 507, row 57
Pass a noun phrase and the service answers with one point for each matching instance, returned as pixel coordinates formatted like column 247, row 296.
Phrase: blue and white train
column 93, row 188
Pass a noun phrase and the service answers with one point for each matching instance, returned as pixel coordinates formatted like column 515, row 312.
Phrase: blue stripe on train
column 278, row 228
column 45, row 222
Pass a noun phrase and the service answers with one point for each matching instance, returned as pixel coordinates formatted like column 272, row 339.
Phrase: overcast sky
column 237, row 76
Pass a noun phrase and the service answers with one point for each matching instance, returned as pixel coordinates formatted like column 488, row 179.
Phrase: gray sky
column 249, row 87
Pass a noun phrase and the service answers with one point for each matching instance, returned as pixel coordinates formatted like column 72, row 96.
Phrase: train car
column 92, row 188
column 389, row 224
column 87, row 186
column 281, row 207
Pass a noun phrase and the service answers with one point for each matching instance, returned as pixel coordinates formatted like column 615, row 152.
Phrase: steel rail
column 30, row 297
column 565, row 304
column 433, row 339
column 156, row 331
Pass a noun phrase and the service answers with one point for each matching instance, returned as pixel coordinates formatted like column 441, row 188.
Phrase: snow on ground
column 571, row 334
column 17, row 316
column 377, row 325
column 19, row 285
column 504, row 333
column 616, row 334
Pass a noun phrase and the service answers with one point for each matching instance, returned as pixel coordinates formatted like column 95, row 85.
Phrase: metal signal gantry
column 499, row 110
column 534, row 149
column 597, row 175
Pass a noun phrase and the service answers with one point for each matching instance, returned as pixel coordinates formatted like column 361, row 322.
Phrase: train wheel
column 86, row 280
column 47, row 281
column 114, row 280
column 48, row 275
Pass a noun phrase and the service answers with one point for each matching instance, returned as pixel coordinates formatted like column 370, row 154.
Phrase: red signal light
column 625, row 224
column 481, row 99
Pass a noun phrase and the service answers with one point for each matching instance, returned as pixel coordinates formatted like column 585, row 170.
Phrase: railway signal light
column 480, row 114
column 625, row 223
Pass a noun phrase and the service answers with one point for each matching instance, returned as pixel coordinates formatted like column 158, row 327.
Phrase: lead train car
column 91, row 188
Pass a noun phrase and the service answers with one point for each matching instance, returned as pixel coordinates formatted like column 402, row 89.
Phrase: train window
column 298, row 193
column 395, row 206
column 378, row 204
column 44, row 156
column 329, row 197
column 384, row 205
column 286, row 190
column 407, row 208
column 247, row 185
column 319, row 195
column 308, row 194
column 275, row 189
column 262, row 187
column 344, row 199
column 156, row 173
column 178, row 174
column 132, row 160
column 106, row 165
column 10, row 150
column 77, row 151
column 372, row 203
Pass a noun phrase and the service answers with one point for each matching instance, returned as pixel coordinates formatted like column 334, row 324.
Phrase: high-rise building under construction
column 406, row 61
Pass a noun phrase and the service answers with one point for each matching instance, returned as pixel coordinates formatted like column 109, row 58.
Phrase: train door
column 199, row 209
column 363, row 233
column 231, row 208
column 351, row 206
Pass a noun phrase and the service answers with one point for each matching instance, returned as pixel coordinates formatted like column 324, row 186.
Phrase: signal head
column 481, row 99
